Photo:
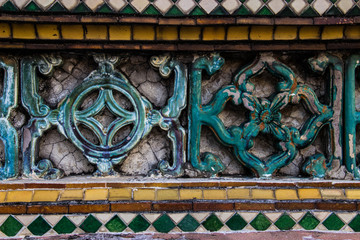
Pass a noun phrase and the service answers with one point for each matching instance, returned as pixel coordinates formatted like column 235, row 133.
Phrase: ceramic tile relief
column 47, row 225
column 281, row 8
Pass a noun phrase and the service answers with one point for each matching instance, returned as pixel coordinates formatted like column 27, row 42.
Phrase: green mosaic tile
column 197, row 12
column 309, row 13
column 128, row 10
column 164, row 224
column 39, row 226
column 33, row 7
column 11, row 226
column 104, row 9
column 265, row 12
column 219, row 11
column 9, row 7
column 260, row 222
column 355, row 223
column 212, row 223
column 82, row 8
column 64, row 226
column 285, row 222
column 139, row 224
column 310, row 1
column 91, row 224
column 174, row 11
column 355, row 11
column 309, row 222
column 242, row 11
column 151, row 10
column 188, row 224
column 333, row 222
column 236, row 222
column 57, row 7
column 333, row 1
column 333, row 11
column 287, row 12
column 115, row 224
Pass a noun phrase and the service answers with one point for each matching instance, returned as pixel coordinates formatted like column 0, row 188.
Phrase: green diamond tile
column 9, row 7
column 285, row 222
column 242, row 11
column 139, row 224
column 309, row 222
column 64, row 226
column 260, row 222
column 57, row 7
column 219, row 11
column 355, row 223
column 174, row 11
column 115, row 224
column 333, row 222
column 309, row 13
column 265, row 12
column 82, row 8
column 188, row 224
column 91, row 224
column 151, row 10
column 236, row 222
column 333, row 11
column 287, row 12
column 128, row 10
column 197, row 12
column 39, row 226
column 11, row 226
column 33, row 7
column 212, row 223
column 164, row 224
column 355, row 11
column 104, row 9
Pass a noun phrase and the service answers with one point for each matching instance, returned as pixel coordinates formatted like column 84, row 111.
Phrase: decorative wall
column 123, row 118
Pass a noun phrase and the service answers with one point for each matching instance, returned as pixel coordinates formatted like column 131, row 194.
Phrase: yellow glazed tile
column 332, row 193
column 238, row 33
column 352, row 32
column 261, row 33
column 96, row 32
column 214, row 194
column 119, row 32
column 213, row 33
column 167, row 33
column 332, row 32
column 72, row 194
column 262, row 194
column 19, row 196
column 309, row 32
column 5, row 31
column 352, row 193
column 167, row 194
column 309, row 193
column 286, row 194
column 186, row 194
column 45, row 195
column 144, row 194
column 96, row 194
column 2, row 196
column 285, row 33
column 23, row 31
column 238, row 193
column 48, row 31
column 190, row 33
column 119, row 194
column 143, row 33
column 72, row 32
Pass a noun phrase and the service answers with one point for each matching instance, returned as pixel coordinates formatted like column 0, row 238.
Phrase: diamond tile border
column 230, row 221
column 176, row 8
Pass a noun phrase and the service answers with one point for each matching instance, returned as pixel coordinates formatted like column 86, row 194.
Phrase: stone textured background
column 156, row 146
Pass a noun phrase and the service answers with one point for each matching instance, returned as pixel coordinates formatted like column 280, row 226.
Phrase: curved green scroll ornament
column 8, row 134
column 41, row 116
column 264, row 116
